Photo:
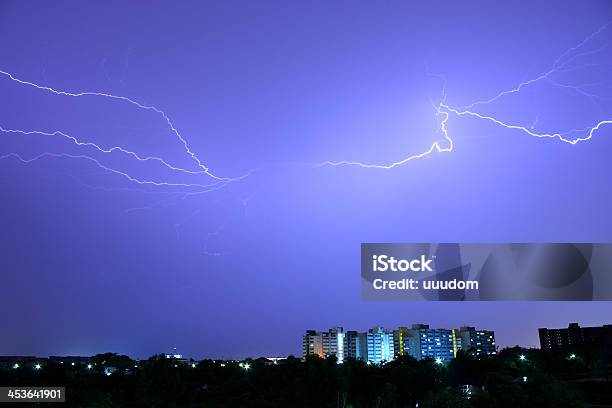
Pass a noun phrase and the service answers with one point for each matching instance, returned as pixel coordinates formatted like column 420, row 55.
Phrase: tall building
column 312, row 344
column 477, row 342
column 326, row 344
column 576, row 337
column 363, row 346
column 352, row 345
column 379, row 345
column 333, row 343
column 398, row 340
column 423, row 342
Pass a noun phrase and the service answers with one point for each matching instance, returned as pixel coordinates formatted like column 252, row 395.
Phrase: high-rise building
column 312, row 344
column 326, row 344
column 477, row 342
column 352, row 345
column 379, row 345
column 423, row 342
column 576, row 337
column 333, row 343
column 363, row 346
column 398, row 340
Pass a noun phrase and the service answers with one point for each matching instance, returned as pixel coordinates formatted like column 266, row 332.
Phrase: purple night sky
column 93, row 261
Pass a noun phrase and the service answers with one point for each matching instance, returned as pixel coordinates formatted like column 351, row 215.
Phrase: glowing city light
column 522, row 357
column 16, row 365
column 439, row 361
column 37, row 367
column 89, row 366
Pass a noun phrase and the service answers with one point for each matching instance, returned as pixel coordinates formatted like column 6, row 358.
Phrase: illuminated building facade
column 477, row 342
column 312, row 344
column 325, row 344
column 353, row 345
column 399, row 335
column 379, row 345
column 423, row 342
column 333, row 343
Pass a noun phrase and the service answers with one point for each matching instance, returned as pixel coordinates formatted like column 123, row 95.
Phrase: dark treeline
column 514, row 378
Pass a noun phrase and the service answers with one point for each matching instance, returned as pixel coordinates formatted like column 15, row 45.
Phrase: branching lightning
column 195, row 180
column 108, row 169
column 198, row 179
column 215, row 182
column 443, row 110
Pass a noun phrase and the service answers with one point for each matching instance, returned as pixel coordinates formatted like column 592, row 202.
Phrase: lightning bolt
column 435, row 147
column 443, row 110
column 109, row 169
column 201, row 180
column 215, row 183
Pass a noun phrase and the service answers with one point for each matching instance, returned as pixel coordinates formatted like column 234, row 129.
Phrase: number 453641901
column 32, row 394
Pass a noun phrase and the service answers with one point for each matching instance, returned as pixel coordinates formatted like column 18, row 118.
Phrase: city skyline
column 380, row 345
column 471, row 340
column 172, row 351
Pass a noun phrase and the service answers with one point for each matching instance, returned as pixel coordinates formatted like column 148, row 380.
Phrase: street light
column 572, row 356
column 37, row 367
column 522, row 357
column 439, row 361
column 247, row 366
column 89, row 366
column 16, row 366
